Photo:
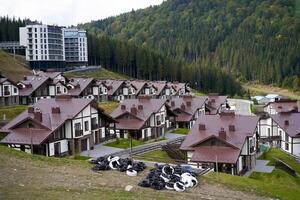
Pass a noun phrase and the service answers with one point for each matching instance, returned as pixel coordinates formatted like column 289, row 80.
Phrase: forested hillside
column 252, row 39
column 9, row 28
column 143, row 63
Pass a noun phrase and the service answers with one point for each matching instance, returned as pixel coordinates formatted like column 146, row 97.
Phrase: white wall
column 296, row 147
column 63, row 147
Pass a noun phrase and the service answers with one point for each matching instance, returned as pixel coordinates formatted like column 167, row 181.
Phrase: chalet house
column 284, row 105
column 143, row 118
column 187, row 110
column 57, row 126
column 100, row 90
column 267, row 128
column 143, row 88
column 81, row 87
column 120, row 90
column 287, row 127
column 181, row 89
column 226, row 139
column 216, row 104
column 164, row 90
column 9, row 92
column 42, row 85
column 33, row 88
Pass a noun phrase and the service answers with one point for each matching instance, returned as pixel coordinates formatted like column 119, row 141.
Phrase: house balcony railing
column 78, row 133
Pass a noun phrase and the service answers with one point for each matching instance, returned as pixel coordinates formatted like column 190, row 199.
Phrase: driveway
column 241, row 106
column 100, row 150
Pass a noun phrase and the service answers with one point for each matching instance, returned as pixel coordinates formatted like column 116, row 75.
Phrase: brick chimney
column 55, row 110
column 201, row 127
column 25, row 78
column 123, row 107
column 188, row 104
column 213, row 100
column 30, row 109
column 172, row 103
column 133, row 110
column 140, row 107
column 38, row 116
column 286, row 122
column 231, row 128
column 222, row 134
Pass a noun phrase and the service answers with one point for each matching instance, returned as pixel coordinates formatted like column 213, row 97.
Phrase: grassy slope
column 108, row 106
column 11, row 112
column 14, row 69
column 297, row 8
column 101, row 74
column 155, row 156
column 257, row 89
column 278, row 184
column 183, row 131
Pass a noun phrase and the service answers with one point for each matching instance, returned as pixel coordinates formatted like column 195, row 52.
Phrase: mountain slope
column 253, row 39
column 13, row 68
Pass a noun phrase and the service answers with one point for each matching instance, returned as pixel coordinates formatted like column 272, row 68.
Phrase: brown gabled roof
column 214, row 102
column 80, row 84
column 51, row 75
column 244, row 126
column 160, row 86
column 284, row 106
column 178, row 86
column 26, row 136
column 212, row 154
column 69, row 108
column 149, row 106
column 187, row 111
column 138, row 85
column 289, row 122
column 114, row 85
column 32, row 83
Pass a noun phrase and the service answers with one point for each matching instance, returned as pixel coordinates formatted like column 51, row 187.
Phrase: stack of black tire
column 171, row 178
column 116, row 163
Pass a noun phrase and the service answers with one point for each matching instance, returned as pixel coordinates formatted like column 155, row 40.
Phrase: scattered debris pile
column 176, row 178
column 116, row 163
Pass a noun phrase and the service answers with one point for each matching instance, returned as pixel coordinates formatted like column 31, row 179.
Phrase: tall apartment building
column 51, row 47
column 75, row 46
column 45, row 46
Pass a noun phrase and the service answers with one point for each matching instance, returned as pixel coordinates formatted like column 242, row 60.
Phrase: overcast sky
column 70, row 12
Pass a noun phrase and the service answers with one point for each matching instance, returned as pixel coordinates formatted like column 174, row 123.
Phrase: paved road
column 241, row 106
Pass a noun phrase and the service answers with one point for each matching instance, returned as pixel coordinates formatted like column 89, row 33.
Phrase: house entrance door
column 57, row 149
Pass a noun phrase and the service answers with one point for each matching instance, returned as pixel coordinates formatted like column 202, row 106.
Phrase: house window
column 58, row 90
column 158, row 122
column 146, row 133
column 77, row 126
column 269, row 132
column 286, row 142
column 86, row 126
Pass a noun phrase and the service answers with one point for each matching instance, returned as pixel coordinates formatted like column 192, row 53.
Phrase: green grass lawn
column 108, row 106
column 124, row 143
column 183, row 131
column 297, row 8
column 276, row 153
column 155, row 156
column 101, row 74
column 277, row 184
column 11, row 112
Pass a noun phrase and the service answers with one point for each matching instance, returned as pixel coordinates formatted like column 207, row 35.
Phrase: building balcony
column 78, row 133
